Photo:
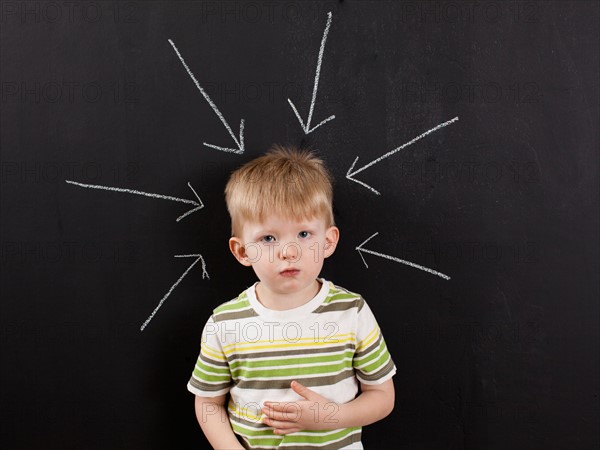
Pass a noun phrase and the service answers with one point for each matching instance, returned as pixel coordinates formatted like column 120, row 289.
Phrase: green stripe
column 293, row 371
column 326, row 380
column 200, row 365
column 389, row 367
column 319, row 439
column 252, row 433
column 213, row 378
column 340, row 296
column 232, row 305
column 251, row 364
column 376, row 364
column 365, row 358
column 267, row 437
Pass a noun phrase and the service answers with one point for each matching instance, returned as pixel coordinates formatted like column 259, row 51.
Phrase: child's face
column 286, row 255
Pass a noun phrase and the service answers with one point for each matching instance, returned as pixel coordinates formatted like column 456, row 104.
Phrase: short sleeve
column 211, row 376
column 372, row 361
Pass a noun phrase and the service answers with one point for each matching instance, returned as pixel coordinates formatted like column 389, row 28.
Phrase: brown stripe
column 248, row 423
column 214, row 362
column 285, row 383
column 333, row 446
column 233, row 315
column 369, row 349
column 292, row 352
column 351, row 293
column 355, row 437
column 341, row 305
column 379, row 374
column 240, row 299
column 207, row 387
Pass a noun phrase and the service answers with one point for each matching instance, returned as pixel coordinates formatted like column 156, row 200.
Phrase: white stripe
column 208, row 382
column 291, row 366
column 266, row 358
column 285, row 378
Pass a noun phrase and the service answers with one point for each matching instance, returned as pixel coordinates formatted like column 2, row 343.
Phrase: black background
column 505, row 201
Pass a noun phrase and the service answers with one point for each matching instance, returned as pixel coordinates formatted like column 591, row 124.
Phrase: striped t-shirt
column 328, row 344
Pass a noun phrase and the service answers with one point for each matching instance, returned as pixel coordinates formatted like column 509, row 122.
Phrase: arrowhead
column 198, row 257
column 320, row 123
column 240, row 143
column 198, row 207
column 350, row 175
column 360, row 247
column 304, row 126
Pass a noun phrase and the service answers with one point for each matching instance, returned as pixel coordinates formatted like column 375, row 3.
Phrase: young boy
column 293, row 349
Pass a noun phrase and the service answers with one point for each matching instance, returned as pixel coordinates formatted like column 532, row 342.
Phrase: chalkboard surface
column 463, row 137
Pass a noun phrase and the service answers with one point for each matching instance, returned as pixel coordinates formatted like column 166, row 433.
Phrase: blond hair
column 291, row 183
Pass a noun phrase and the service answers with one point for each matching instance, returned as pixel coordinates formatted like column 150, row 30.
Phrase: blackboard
column 503, row 200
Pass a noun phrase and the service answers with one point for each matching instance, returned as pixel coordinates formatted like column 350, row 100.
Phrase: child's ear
column 332, row 236
column 237, row 248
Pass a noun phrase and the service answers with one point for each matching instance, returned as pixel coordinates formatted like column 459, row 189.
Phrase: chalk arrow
column 362, row 250
column 162, row 300
column 306, row 126
column 351, row 174
column 239, row 142
column 199, row 205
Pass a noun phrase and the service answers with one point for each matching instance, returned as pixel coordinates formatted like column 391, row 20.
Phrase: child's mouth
column 289, row 272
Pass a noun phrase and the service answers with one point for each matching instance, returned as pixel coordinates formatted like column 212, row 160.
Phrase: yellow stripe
column 329, row 340
column 212, row 354
column 308, row 344
column 240, row 413
column 366, row 341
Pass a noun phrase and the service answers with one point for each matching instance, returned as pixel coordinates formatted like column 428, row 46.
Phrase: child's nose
column 290, row 252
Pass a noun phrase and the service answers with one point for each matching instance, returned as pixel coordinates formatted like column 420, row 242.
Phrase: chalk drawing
column 240, row 142
column 306, row 127
column 162, row 300
column 360, row 250
column 351, row 174
column 199, row 205
column 240, row 149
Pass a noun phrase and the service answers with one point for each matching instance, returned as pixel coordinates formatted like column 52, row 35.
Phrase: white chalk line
column 306, row 127
column 403, row 261
column 350, row 174
column 239, row 143
column 199, row 204
column 204, row 275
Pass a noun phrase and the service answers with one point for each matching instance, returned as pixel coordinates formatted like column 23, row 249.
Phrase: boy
column 292, row 349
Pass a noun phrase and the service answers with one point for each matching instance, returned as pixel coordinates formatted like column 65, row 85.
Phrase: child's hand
column 314, row 413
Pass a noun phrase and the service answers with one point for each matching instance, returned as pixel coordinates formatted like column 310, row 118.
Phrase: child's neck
column 282, row 302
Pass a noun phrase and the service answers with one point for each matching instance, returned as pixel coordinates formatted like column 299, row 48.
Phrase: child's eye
column 304, row 234
column 268, row 239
